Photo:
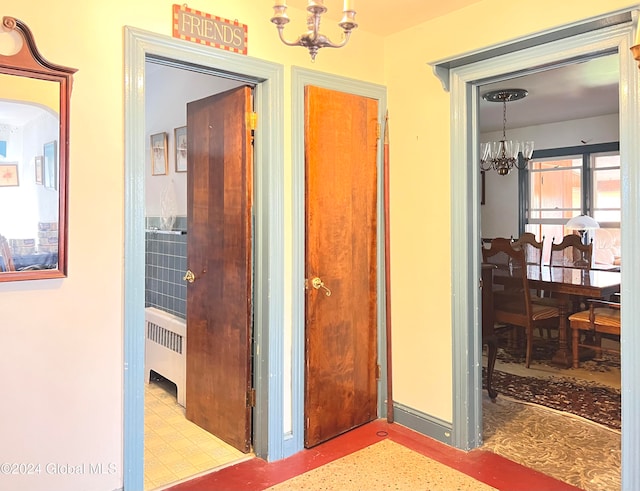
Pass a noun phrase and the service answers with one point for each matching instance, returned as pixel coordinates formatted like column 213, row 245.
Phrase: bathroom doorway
column 177, row 445
column 140, row 47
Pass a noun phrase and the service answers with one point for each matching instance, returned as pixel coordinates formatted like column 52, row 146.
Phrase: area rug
column 544, row 350
column 385, row 465
column 558, row 444
column 595, row 402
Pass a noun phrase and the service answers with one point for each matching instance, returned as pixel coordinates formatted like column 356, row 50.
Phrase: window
column 562, row 183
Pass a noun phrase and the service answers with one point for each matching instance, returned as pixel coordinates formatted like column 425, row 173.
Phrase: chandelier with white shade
column 503, row 155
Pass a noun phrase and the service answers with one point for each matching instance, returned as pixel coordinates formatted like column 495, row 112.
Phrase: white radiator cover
column 166, row 348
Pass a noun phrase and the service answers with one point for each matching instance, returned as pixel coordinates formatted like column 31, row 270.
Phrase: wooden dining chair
column 532, row 248
column 571, row 252
column 533, row 253
column 512, row 303
column 602, row 317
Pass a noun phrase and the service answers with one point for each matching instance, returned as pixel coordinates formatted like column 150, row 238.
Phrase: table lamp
column 582, row 223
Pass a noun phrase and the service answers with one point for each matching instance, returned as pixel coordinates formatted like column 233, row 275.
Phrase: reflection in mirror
column 34, row 101
column 29, row 196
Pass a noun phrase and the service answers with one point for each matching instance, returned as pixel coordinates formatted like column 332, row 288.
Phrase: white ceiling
column 18, row 114
column 384, row 17
column 576, row 91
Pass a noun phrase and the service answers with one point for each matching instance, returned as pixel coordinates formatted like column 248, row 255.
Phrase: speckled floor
column 383, row 466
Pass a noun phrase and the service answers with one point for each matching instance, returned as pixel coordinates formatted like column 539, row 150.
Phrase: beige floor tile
column 173, row 445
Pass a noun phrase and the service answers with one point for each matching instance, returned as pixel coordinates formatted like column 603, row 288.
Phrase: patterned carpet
column 559, row 444
column 592, row 401
column 570, row 390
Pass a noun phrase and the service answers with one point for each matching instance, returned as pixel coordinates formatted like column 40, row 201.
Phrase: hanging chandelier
column 312, row 39
column 503, row 155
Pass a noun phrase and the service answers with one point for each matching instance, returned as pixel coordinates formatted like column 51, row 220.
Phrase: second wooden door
column 341, row 147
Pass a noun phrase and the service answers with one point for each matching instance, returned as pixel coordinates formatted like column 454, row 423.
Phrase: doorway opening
column 580, row 41
column 176, row 447
column 509, row 212
column 140, row 46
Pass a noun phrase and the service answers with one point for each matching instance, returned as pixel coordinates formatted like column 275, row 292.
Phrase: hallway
column 481, row 465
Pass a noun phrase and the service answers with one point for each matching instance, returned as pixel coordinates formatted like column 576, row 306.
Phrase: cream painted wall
column 62, row 368
column 62, row 358
column 419, row 120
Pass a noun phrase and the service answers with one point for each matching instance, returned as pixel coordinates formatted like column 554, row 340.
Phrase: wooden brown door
column 341, row 140
column 219, row 253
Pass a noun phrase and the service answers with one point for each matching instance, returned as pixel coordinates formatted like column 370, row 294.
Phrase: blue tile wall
column 166, row 264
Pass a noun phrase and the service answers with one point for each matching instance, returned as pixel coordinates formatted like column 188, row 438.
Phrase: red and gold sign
column 210, row 30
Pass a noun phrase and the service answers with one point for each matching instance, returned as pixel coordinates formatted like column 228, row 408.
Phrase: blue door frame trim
column 268, row 436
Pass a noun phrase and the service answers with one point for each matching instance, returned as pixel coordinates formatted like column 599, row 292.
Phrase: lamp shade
column 582, row 222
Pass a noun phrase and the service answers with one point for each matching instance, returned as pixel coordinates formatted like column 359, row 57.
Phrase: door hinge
column 378, row 372
column 253, row 120
column 378, row 131
column 251, row 398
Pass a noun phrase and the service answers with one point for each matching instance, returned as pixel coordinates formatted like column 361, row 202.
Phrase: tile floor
column 175, row 449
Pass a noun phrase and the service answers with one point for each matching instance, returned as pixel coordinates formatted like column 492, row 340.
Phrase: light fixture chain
column 504, row 120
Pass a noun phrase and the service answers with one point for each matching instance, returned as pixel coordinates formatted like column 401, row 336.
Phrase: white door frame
column 268, row 435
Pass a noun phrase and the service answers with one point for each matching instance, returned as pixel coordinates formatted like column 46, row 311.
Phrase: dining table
column 566, row 283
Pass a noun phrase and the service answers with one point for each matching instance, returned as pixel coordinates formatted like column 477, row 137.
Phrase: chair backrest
column 532, row 248
column 571, row 253
column 5, row 252
column 511, row 265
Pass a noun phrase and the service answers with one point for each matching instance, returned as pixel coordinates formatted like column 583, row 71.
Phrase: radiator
column 166, row 348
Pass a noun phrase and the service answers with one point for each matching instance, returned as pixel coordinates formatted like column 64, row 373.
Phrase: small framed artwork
column 181, row 148
column 50, row 165
column 159, row 164
column 39, row 167
column 9, row 174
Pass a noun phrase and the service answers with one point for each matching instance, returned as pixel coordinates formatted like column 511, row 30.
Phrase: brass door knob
column 317, row 283
column 189, row 276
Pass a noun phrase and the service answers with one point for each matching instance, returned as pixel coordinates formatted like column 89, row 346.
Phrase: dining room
column 552, row 378
column 550, row 169
column 550, row 175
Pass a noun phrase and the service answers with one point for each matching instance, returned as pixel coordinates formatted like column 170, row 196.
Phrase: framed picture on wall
column 50, row 165
column 39, row 166
column 9, row 174
column 159, row 164
column 181, row 148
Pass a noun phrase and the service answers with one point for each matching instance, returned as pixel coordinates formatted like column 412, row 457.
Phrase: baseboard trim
column 422, row 423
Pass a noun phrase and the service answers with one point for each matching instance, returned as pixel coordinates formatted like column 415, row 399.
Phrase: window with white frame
column 563, row 183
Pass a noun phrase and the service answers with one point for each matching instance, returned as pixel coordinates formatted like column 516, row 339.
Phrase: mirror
column 34, row 149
